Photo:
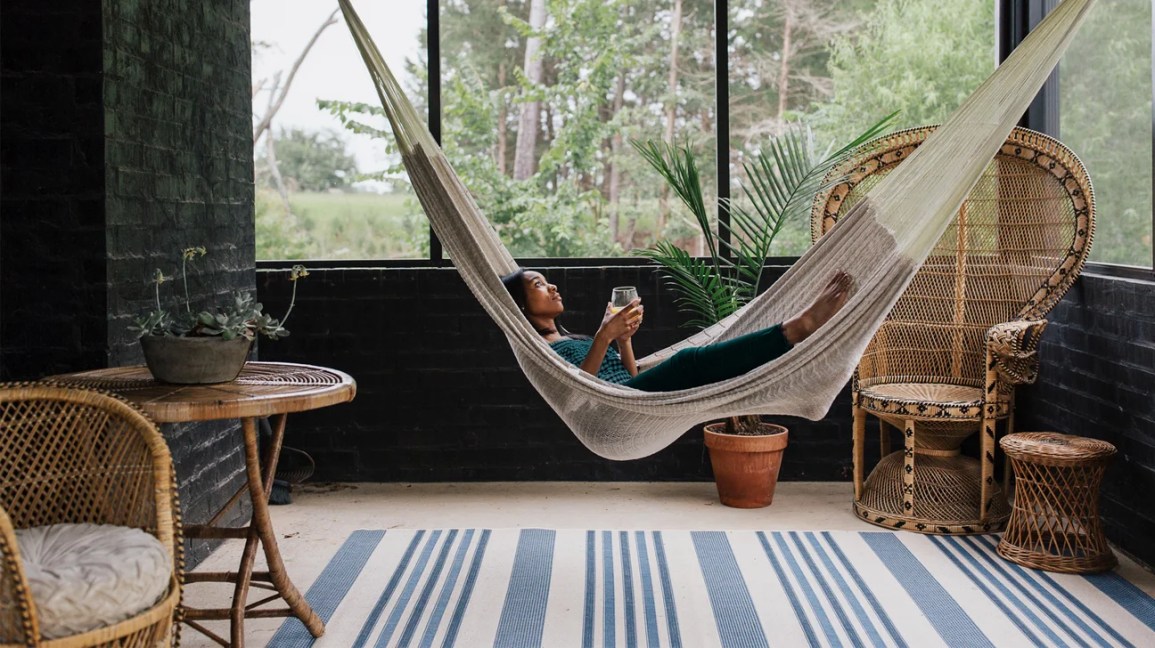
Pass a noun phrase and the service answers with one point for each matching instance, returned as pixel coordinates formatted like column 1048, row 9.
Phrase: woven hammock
column 880, row 244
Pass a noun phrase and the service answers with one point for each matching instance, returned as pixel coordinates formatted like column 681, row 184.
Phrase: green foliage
column 279, row 233
column 783, row 177
column 310, row 161
column 1105, row 112
column 848, row 63
column 921, row 56
column 238, row 317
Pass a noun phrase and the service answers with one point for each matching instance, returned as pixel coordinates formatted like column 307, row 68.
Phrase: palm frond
column 783, row 179
column 701, row 292
column 677, row 166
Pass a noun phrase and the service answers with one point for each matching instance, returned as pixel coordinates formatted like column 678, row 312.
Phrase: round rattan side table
column 1054, row 521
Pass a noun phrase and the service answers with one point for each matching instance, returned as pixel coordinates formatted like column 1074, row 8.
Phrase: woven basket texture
column 70, row 456
column 1055, row 521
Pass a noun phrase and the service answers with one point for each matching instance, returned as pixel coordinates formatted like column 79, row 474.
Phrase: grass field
column 340, row 226
column 367, row 226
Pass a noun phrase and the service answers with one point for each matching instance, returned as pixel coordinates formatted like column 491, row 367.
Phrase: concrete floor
column 322, row 516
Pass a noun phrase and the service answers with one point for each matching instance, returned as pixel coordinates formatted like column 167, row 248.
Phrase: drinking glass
column 622, row 297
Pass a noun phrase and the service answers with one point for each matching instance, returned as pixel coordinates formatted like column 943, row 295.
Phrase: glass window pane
column 836, row 67
column 541, row 101
column 1105, row 118
column 330, row 186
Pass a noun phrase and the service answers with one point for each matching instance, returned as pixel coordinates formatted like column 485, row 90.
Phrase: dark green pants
column 703, row 365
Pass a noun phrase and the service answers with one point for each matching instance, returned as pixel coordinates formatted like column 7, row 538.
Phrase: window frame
column 1013, row 21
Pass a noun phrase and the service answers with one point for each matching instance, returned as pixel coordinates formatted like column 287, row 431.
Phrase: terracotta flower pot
column 746, row 466
column 194, row 360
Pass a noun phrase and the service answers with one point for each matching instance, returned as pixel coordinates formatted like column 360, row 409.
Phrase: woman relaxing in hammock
column 541, row 304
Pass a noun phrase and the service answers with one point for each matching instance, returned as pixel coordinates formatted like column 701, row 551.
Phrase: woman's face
column 541, row 297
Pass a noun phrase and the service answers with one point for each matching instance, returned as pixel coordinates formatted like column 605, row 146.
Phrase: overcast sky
column 333, row 69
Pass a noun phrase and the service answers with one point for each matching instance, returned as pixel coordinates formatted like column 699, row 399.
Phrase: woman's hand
column 622, row 325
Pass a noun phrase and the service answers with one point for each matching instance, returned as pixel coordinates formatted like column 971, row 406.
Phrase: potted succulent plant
column 184, row 346
column 783, row 178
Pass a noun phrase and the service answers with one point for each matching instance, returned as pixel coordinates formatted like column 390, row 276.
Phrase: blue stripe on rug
column 447, row 589
column 608, row 629
column 330, row 588
column 791, row 594
column 1039, row 578
column 1129, row 597
column 407, row 593
column 466, row 591
column 628, row 591
column 867, row 593
column 591, row 594
column 734, row 612
column 383, row 600
column 828, row 592
column 811, row 598
column 985, row 581
column 667, row 591
column 523, row 614
column 427, row 591
column 944, row 613
column 842, row 586
column 647, row 590
column 1025, row 581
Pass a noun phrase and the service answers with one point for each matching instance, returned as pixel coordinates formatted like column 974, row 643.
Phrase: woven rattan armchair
column 82, row 456
column 945, row 362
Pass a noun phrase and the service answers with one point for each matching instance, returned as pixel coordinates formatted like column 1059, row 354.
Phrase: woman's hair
column 514, row 282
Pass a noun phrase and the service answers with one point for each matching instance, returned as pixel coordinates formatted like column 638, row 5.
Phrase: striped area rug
column 558, row 588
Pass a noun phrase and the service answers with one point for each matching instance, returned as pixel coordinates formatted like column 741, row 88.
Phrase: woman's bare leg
column 832, row 298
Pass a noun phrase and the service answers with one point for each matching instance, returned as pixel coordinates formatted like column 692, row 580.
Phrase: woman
column 541, row 304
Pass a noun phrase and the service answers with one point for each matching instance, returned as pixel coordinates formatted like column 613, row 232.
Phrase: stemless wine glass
column 623, row 295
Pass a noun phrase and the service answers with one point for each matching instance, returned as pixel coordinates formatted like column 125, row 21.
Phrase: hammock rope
column 881, row 243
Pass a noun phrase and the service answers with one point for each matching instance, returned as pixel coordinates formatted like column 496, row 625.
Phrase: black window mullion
column 722, row 119
column 1016, row 19
column 433, row 59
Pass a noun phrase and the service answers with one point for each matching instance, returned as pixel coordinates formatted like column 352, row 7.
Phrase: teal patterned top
column 575, row 352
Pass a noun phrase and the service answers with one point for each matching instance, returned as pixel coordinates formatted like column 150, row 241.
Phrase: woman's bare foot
column 832, row 298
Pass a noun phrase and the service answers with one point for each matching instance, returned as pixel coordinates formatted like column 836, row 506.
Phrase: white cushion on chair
column 87, row 576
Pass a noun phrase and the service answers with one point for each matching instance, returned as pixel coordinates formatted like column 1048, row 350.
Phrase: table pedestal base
column 259, row 532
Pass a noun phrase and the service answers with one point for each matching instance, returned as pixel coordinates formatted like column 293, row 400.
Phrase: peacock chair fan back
column 964, row 332
column 1014, row 248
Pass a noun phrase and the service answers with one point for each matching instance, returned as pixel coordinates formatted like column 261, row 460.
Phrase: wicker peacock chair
column 82, row 456
column 946, row 361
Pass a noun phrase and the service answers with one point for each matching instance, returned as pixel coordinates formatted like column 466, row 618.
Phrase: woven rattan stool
column 1054, row 522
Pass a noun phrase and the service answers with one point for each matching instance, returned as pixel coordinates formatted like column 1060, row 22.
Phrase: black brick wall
column 52, row 219
column 127, row 136
column 441, row 398
column 179, row 173
column 1098, row 380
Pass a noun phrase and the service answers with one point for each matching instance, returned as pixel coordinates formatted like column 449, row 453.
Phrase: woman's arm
column 597, row 353
column 626, row 349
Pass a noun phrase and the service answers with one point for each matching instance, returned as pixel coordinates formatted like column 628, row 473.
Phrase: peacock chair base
column 946, row 496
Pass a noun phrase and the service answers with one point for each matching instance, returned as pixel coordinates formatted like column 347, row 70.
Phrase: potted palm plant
column 783, row 178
